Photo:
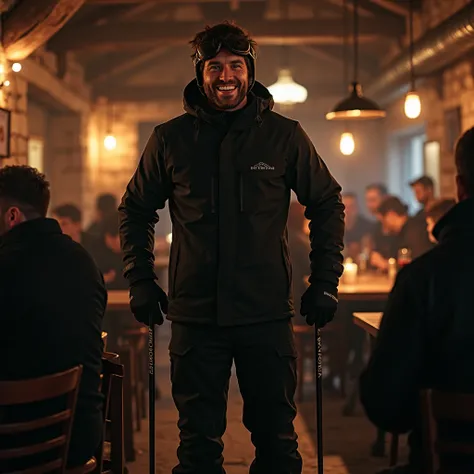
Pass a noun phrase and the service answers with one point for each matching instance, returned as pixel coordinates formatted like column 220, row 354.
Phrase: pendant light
column 285, row 90
column 346, row 143
column 412, row 99
column 356, row 106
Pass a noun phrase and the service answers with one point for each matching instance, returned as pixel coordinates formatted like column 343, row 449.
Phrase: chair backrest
column 29, row 393
column 112, row 390
column 441, row 407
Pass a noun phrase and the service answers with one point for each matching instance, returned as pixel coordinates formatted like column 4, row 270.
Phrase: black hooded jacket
column 427, row 332
column 228, row 179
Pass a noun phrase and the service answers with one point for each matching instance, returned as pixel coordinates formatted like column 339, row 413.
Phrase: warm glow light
column 286, row 90
column 169, row 238
column 16, row 67
column 412, row 105
column 347, row 145
column 110, row 142
column 6, row 83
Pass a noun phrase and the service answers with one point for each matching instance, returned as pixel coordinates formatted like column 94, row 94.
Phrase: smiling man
column 227, row 167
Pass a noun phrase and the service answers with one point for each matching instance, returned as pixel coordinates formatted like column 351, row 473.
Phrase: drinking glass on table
column 404, row 257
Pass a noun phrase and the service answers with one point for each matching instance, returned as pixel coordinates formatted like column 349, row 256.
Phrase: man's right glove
column 319, row 304
column 147, row 298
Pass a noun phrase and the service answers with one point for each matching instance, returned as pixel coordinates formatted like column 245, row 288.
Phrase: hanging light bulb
column 412, row 99
column 412, row 105
column 286, row 90
column 16, row 67
column 347, row 144
column 110, row 142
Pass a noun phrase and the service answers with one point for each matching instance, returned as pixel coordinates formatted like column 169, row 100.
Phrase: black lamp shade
column 356, row 107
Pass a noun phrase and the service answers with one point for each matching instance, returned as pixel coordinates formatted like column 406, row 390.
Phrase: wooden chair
column 438, row 406
column 104, row 340
column 24, row 392
column 112, row 390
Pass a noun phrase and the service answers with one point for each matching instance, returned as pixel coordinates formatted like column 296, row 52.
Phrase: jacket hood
column 195, row 103
column 459, row 220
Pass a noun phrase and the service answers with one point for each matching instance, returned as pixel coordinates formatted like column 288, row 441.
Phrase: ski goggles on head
column 209, row 49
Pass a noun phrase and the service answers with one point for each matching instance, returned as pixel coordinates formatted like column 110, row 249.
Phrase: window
column 406, row 163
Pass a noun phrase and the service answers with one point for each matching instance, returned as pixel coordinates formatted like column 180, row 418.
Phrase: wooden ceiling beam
column 335, row 53
column 31, row 24
column 104, row 70
column 397, row 7
column 160, row 92
column 131, row 35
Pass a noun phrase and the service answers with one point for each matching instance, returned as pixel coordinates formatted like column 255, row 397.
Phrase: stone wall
column 110, row 170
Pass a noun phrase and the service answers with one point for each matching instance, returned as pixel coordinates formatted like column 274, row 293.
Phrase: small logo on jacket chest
column 262, row 167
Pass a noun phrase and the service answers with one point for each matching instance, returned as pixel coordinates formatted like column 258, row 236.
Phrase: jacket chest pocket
column 261, row 187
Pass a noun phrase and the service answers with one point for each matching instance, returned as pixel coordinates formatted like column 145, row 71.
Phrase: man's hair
column 68, row 210
column 424, row 181
column 225, row 32
column 26, row 188
column 381, row 188
column 393, row 204
column 439, row 208
column 107, row 203
column 464, row 157
column 110, row 225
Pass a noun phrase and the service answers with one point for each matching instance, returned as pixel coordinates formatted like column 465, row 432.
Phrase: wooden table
column 118, row 300
column 369, row 287
column 369, row 322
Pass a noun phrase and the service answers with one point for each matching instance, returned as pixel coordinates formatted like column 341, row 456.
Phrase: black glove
column 147, row 298
column 319, row 303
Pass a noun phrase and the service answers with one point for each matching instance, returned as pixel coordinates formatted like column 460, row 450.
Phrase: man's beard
column 228, row 101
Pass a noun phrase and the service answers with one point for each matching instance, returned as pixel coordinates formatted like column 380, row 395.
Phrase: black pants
column 265, row 360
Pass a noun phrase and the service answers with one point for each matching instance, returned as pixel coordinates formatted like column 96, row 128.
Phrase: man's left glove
column 319, row 303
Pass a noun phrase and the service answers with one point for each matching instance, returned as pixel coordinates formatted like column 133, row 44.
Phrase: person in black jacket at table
column 227, row 167
column 406, row 229
column 425, row 338
column 52, row 302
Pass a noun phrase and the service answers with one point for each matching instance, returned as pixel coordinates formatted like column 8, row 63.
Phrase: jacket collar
column 457, row 222
column 30, row 230
column 259, row 98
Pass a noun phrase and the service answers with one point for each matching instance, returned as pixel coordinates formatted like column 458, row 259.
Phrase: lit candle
column 350, row 273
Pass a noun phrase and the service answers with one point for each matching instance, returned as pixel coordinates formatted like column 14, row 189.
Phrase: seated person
column 112, row 264
column 382, row 240
column 426, row 333
column 69, row 217
column 397, row 221
column 357, row 226
column 106, row 205
column 52, row 303
column 435, row 212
